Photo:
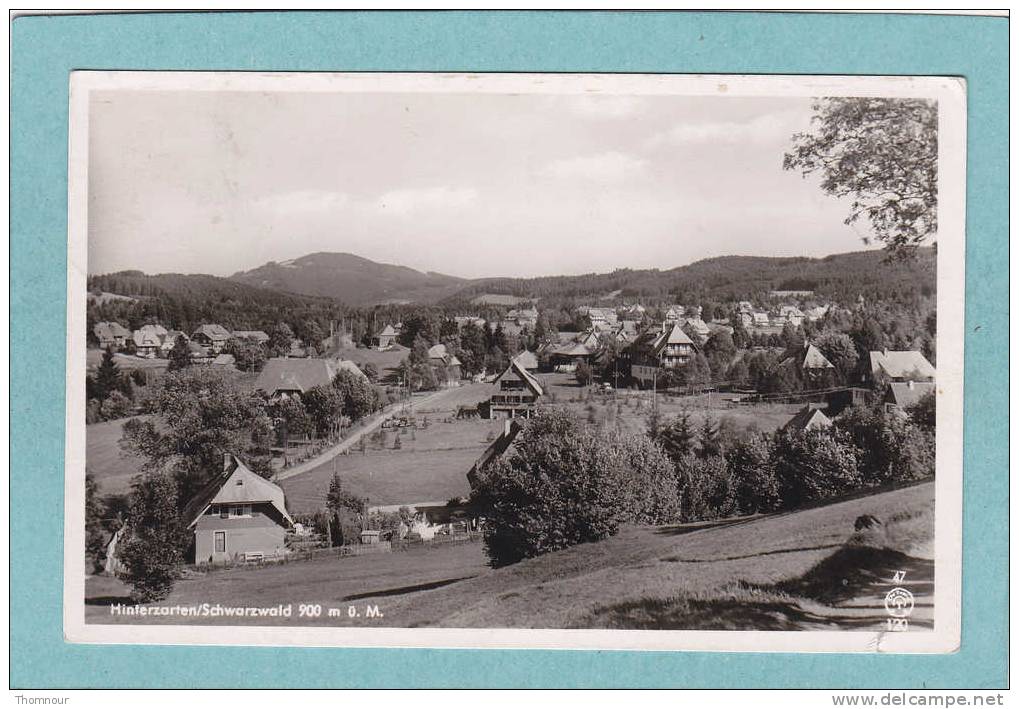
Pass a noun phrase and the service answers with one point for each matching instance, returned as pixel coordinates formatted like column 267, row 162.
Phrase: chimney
column 227, row 460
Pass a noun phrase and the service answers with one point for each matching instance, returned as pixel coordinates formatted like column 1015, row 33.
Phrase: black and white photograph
column 515, row 360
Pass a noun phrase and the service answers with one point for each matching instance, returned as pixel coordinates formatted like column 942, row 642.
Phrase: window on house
column 220, row 542
column 240, row 510
column 224, row 512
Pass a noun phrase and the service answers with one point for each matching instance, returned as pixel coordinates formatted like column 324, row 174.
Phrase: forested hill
column 185, row 301
column 841, row 277
column 351, row 279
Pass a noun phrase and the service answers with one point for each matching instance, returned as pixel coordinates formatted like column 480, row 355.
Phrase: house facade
column 238, row 516
column 670, row 349
column 901, row 366
column 288, row 376
column 385, row 338
column 148, row 340
column 111, row 334
column 213, row 337
column 517, row 393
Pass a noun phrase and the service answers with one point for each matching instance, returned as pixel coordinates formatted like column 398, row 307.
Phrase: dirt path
column 367, row 427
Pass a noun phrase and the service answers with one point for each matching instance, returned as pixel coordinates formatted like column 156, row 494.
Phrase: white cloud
column 300, row 202
column 603, row 167
column 409, row 200
column 770, row 126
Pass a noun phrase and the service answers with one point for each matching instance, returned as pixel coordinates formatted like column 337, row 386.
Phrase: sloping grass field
column 790, row 571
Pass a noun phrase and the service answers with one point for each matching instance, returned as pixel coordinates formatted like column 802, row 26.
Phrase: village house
column 632, row 313
column 446, row 362
column 224, row 360
column 199, row 354
column 902, row 395
column 517, row 394
column 256, row 335
column 810, row 418
column 148, row 340
column 698, row 326
column 675, row 314
column 238, row 516
column 496, row 449
column 384, row 338
column 811, row 362
column 791, row 314
column 526, row 317
column 169, row 340
column 285, row 376
column 572, row 349
column 111, row 334
column 670, row 349
column 528, row 360
column 901, row 366
column 211, row 336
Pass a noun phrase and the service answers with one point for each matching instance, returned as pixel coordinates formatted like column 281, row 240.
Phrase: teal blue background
column 46, row 49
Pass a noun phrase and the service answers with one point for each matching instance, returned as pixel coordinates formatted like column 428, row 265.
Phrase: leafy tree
column 370, row 371
column 152, row 550
column 719, row 350
column 924, row 412
column 199, row 414
column 792, row 338
column 116, row 406
column 324, row 405
column 706, row 489
column 814, row 464
column 696, row 372
column 838, row 348
column 249, row 354
column 360, row 397
column 881, row 153
column 180, row 355
column 756, row 486
column 280, row 339
column 565, row 484
column 891, row 447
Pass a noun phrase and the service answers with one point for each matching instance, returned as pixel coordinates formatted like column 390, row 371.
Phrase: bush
column 753, row 477
column 706, row 490
column 892, row 448
column 566, row 484
column 116, row 406
column 814, row 464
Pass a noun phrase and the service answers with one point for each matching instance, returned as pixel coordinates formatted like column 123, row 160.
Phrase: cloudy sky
column 465, row 184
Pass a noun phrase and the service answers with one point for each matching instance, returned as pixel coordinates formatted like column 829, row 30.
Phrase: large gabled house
column 213, row 337
column 812, row 365
column 517, row 393
column 111, row 334
column 902, row 395
column 169, row 340
column 148, row 340
column 442, row 359
column 385, row 338
column 290, row 376
column 238, row 516
column 670, row 349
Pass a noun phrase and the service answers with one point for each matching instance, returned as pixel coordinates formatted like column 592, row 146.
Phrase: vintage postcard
column 652, row 362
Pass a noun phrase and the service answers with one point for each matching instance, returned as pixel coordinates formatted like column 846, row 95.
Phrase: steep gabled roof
column 496, row 449
column 672, row 336
column 527, row 360
column 515, row 368
column 236, row 485
column 387, row 331
column 901, row 364
column 257, row 335
column 213, row 331
column 808, row 419
column 905, row 394
column 813, row 359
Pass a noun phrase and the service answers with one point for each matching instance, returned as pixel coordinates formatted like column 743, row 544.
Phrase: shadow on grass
column 809, row 602
column 402, row 590
column 790, row 550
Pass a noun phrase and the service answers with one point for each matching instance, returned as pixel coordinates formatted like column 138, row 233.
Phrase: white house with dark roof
column 670, row 349
column 385, row 338
column 238, row 516
column 901, row 366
